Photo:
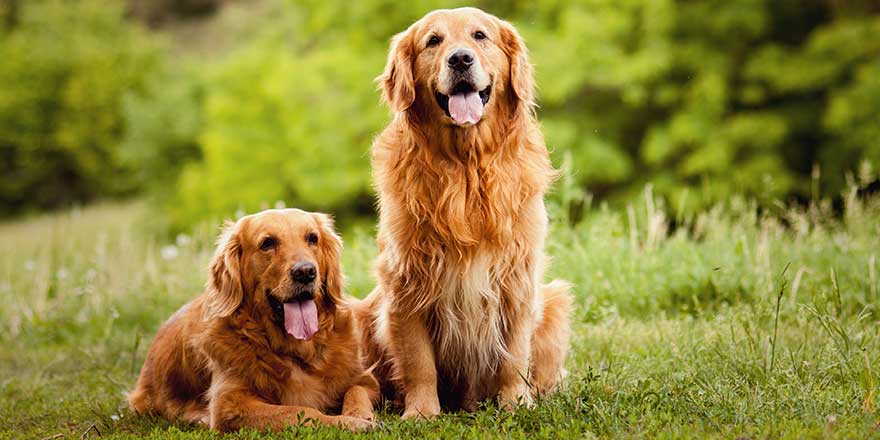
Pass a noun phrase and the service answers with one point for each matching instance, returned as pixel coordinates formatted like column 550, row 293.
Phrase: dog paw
column 416, row 415
column 421, row 412
column 354, row 424
column 360, row 413
column 511, row 398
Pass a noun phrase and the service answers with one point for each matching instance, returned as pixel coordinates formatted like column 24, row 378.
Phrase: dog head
column 463, row 65
column 284, row 262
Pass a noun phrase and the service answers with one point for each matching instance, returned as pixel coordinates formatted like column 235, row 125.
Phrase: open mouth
column 299, row 315
column 465, row 104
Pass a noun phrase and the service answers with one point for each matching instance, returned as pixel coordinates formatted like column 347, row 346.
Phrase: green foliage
column 724, row 96
column 282, row 126
column 162, row 125
column 768, row 98
column 66, row 68
column 156, row 12
column 853, row 121
column 703, row 99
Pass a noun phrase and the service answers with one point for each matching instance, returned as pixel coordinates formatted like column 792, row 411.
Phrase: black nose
column 303, row 272
column 461, row 59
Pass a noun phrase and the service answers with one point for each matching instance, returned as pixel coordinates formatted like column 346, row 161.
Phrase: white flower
column 183, row 240
column 169, row 252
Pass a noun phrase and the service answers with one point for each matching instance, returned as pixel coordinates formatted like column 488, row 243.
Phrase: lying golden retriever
column 461, row 174
column 271, row 343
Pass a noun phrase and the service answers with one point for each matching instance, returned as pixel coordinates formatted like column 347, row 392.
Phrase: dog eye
column 312, row 238
column 479, row 35
column 434, row 40
column 268, row 243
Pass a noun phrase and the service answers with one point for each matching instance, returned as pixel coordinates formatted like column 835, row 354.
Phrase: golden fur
column 224, row 360
column 459, row 307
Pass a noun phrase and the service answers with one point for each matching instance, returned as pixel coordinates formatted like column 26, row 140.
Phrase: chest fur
column 305, row 388
column 466, row 322
column 315, row 374
column 460, row 204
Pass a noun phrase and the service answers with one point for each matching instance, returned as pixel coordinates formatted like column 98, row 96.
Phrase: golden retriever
column 271, row 342
column 459, row 314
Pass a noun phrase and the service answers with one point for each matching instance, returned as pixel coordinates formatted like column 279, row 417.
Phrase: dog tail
column 139, row 398
column 551, row 339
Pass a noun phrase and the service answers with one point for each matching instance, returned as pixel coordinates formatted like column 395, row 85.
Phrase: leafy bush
column 284, row 123
column 702, row 98
column 66, row 67
column 723, row 96
column 158, row 12
column 162, row 125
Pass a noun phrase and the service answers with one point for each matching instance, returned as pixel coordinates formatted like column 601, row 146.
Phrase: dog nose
column 303, row 272
column 461, row 60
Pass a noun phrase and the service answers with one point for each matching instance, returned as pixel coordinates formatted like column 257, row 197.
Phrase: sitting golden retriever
column 271, row 343
column 461, row 174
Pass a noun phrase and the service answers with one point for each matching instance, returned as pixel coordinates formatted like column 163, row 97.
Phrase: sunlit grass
column 675, row 333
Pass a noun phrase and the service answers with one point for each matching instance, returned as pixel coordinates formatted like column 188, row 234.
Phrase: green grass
column 697, row 332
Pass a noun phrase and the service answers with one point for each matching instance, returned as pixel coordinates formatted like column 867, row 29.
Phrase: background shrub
column 703, row 99
column 767, row 98
column 66, row 68
column 282, row 123
column 718, row 96
column 162, row 125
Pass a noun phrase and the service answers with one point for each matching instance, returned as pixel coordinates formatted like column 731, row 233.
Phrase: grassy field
column 732, row 324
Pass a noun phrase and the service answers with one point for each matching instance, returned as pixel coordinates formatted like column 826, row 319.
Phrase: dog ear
column 397, row 83
column 225, row 288
column 330, row 244
column 522, row 80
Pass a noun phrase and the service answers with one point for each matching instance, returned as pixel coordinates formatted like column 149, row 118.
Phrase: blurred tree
column 162, row 125
column 66, row 67
column 718, row 96
column 159, row 12
column 9, row 12
column 283, row 122
column 704, row 98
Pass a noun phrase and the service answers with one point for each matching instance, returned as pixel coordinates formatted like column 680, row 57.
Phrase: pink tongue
column 466, row 107
column 301, row 319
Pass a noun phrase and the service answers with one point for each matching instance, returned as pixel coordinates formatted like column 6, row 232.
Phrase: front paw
column 421, row 408
column 361, row 413
column 515, row 396
column 353, row 424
